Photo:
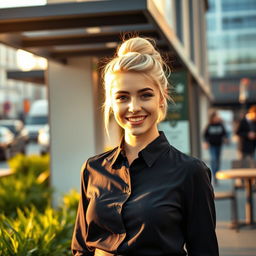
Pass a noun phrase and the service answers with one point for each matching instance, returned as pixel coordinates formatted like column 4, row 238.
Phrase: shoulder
column 197, row 173
column 190, row 166
column 97, row 159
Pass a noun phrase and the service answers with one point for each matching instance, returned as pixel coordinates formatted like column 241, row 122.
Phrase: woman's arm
column 78, row 245
column 199, row 211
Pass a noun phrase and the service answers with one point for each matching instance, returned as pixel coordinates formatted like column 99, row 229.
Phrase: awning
column 33, row 76
column 66, row 30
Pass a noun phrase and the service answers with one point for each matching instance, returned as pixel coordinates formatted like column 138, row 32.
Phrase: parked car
column 6, row 141
column 19, row 135
column 44, row 139
column 33, row 124
column 37, row 118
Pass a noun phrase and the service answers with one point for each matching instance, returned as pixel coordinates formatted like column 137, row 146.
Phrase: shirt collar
column 150, row 153
column 155, row 149
column 117, row 153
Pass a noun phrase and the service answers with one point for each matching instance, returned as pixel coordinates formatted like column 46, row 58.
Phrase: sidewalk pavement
column 232, row 243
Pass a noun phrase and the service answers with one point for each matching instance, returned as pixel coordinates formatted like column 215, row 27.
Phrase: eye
column 121, row 98
column 147, row 95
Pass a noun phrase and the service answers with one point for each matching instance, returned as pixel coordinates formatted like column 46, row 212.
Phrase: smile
column 136, row 119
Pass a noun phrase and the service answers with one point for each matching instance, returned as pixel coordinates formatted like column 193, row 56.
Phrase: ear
column 161, row 101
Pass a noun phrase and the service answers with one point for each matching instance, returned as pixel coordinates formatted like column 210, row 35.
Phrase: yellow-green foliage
column 38, row 233
column 22, row 164
column 70, row 200
column 29, row 226
column 28, row 186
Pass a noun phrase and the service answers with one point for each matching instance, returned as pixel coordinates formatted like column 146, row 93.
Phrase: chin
column 136, row 132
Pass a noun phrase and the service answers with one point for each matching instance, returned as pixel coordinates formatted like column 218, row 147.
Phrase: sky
column 16, row 3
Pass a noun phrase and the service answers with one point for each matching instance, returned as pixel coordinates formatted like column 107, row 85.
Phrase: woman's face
column 136, row 103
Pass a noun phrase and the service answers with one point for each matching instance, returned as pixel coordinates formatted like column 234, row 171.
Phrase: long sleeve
column 224, row 131
column 242, row 129
column 206, row 133
column 78, row 245
column 200, row 212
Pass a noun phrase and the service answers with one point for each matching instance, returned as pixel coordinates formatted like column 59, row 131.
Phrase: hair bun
column 139, row 45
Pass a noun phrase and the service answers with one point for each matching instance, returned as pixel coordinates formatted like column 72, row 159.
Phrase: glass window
column 179, row 21
column 239, row 41
column 212, row 6
column 239, row 22
column 36, row 120
column 211, row 23
column 238, row 5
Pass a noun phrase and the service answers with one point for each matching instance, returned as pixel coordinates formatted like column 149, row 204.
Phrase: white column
column 71, row 118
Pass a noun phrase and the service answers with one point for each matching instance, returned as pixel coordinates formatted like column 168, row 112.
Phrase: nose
column 134, row 106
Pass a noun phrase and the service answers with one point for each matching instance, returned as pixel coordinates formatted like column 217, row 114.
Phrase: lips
column 135, row 120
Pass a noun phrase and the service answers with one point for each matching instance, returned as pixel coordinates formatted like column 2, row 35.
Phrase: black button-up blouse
column 162, row 204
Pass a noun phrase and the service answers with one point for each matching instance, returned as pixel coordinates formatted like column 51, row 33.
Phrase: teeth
column 136, row 119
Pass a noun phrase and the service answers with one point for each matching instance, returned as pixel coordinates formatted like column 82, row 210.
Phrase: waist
column 99, row 252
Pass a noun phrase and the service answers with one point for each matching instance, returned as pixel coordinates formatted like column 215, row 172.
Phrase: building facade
column 231, row 36
column 75, row 36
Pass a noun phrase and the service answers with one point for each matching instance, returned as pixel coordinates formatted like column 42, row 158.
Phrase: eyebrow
column 141, row 90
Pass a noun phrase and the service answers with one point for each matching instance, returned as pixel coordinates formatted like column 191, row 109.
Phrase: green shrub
column 22, row 192
column 22, row 164
column 70, row 200
column 29, row 226
column 36, row 233
column 28, row 186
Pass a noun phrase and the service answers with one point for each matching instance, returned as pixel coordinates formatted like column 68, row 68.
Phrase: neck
column 134, row 144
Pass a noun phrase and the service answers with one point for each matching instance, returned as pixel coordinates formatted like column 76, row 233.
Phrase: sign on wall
column 176, row 125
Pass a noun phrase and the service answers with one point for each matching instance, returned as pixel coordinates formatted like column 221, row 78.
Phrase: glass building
column 231, row 36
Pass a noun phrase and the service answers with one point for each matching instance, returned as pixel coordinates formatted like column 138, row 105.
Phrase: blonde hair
column 137, row 55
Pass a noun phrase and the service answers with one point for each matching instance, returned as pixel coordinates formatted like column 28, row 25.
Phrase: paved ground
column 232, row 243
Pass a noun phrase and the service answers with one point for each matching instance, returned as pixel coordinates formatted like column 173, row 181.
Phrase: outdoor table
column 5, row 172
column 247, row 174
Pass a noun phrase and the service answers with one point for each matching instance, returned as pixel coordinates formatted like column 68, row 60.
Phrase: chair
column 230, row 195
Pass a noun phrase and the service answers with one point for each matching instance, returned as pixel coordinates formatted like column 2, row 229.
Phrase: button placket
column 128, row 188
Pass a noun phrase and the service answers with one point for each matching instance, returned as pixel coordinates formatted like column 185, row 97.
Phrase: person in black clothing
column 144, row 197
column 214, row 136
column 246, row 131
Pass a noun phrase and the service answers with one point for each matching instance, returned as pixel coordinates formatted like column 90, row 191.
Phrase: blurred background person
column 214, row 136
column 246, row 131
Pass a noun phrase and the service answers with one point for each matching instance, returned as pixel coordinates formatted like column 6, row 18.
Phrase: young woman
column 144, row 197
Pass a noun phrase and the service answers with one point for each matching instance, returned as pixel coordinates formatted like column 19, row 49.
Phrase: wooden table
column 5, row 172
column 247, row 174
